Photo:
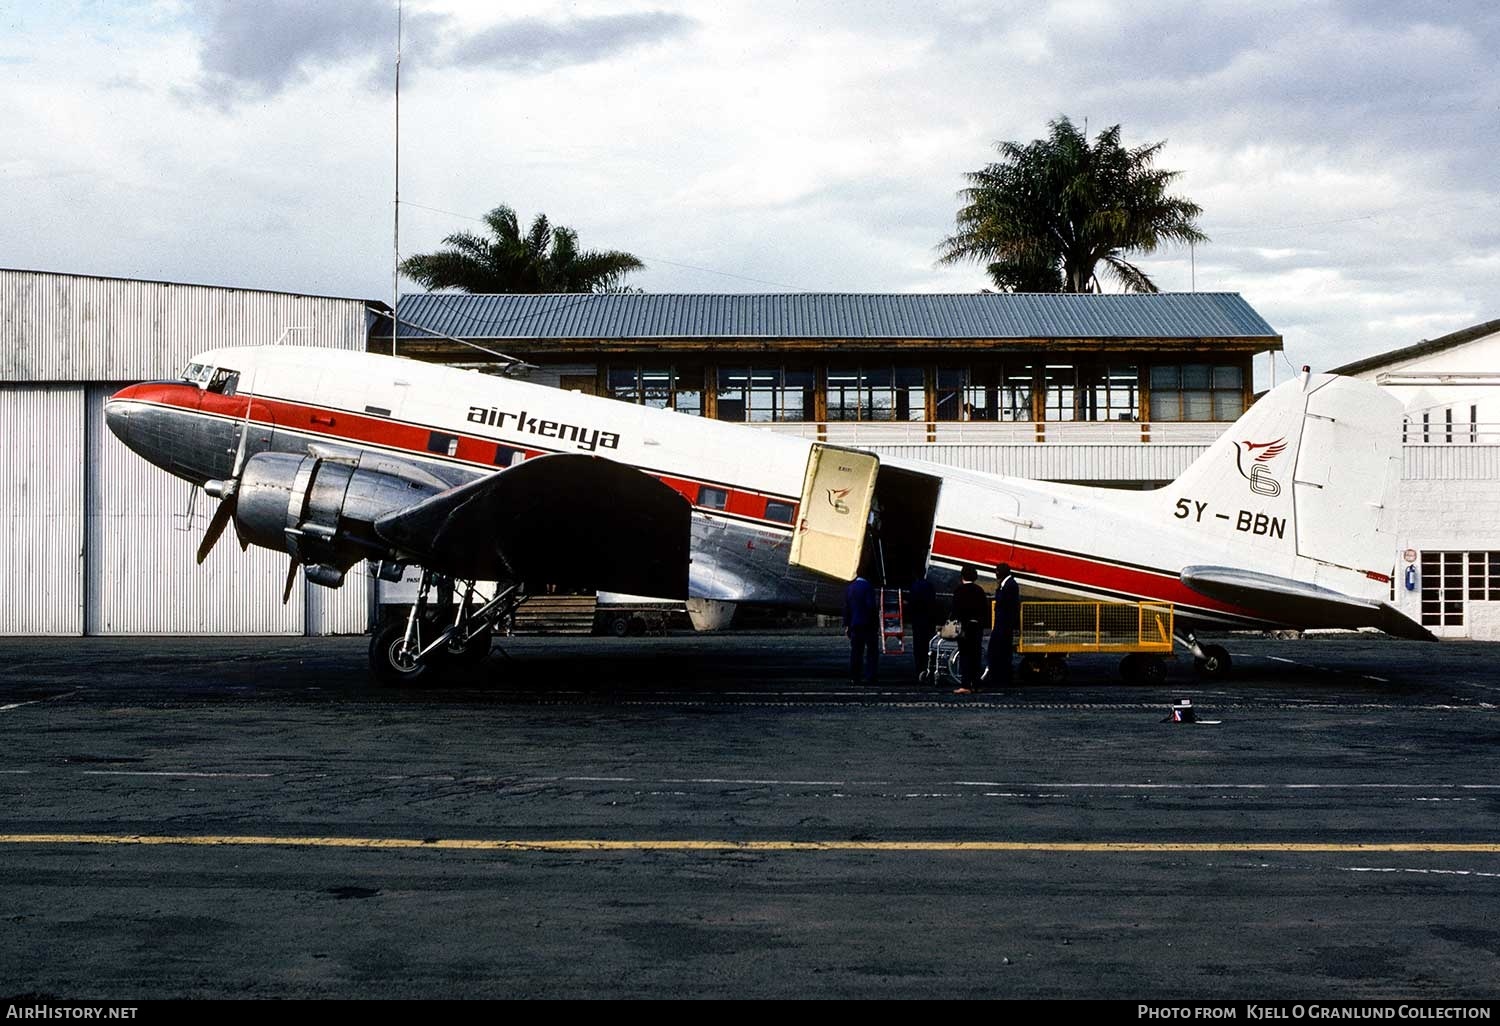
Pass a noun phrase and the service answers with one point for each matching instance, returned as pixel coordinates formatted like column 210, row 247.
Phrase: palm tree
column 1044, row 216
column 545, row 259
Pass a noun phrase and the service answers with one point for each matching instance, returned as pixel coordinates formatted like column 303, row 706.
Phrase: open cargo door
column 836, row 497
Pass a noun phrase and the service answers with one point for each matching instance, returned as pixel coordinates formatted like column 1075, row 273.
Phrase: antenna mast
column 396, row 235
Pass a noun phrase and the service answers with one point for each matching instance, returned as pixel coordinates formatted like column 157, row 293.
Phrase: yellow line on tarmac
column 585, row 844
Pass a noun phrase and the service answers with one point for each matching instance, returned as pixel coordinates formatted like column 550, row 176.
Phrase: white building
column 94, row 539
column 1448, row 573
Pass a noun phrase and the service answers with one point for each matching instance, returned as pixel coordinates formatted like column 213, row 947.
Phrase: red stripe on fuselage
column 1084, row 571
column 363, row 428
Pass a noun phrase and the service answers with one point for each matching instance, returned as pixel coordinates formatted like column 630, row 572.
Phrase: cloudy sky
column 1345, row 153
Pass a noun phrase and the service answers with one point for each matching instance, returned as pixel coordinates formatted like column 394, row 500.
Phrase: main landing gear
column 440, row 633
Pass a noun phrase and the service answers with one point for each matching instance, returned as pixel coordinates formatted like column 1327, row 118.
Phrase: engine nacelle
column 321, row 510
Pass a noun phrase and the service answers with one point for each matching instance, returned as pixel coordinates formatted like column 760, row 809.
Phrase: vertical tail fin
column 1304, row 484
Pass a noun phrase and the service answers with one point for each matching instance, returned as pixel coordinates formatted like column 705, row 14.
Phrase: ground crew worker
column 971, row 608
column 1007, row 620
column 862, row 628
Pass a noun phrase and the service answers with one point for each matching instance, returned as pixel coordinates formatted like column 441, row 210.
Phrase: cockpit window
column 224, row 381
column 197, row 374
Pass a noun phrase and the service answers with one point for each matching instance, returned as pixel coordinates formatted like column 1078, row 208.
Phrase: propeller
column 291, row 579
column 226, row 492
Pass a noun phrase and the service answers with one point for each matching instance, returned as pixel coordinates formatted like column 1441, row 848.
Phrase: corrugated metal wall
column 1452, row 462
column 142, row 570
column 1058, row 462
column 142, row 573
column 42, row 495
column 61, row 327
column 89, row 541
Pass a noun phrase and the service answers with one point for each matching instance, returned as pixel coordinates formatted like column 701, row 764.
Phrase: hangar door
column 41, row 494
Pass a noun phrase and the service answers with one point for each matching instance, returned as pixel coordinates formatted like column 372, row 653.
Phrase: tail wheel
column 391, row 660
column 1215, row 663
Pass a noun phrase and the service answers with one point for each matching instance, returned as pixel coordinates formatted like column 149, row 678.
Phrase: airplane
column 338, row 458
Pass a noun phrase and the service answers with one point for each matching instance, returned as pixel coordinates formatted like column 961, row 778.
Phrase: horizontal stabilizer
column 1301, row 603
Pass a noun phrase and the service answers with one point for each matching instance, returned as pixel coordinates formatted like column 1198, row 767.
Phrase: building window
column 1110, row 392
column 1473, row 424
column 660, row 387
column 993, row 392
column 765, row 394
column 1448, row 578
column 1197, row 391
column 1059, row 397
column 877, row 393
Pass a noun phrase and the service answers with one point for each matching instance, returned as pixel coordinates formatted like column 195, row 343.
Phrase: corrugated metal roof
column 1426, row 347
column 833, row 316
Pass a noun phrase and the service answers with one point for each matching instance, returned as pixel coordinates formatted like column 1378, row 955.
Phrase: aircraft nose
column 117, row 415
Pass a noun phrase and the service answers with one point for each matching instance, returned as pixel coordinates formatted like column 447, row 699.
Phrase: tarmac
column 726, row 816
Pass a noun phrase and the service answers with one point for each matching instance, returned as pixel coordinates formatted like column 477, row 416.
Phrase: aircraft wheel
column 390, row 661
column 476, row 651
column 1215, row 663
column 1055, row 670
column 1153, row 670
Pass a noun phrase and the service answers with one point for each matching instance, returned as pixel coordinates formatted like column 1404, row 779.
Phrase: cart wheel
column 1153, row 670
column 1215, row 663
column 1055, row 669
column 1031, row 668
column 1130, row 668
column 924, row 676
column 619, row 626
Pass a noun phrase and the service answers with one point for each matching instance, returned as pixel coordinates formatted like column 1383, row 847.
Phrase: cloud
column 536, row 44
column 256, row 51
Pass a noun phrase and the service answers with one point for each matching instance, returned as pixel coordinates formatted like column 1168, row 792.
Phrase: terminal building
column 1105, row 389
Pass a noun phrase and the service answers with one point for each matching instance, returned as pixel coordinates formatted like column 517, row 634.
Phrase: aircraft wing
column 1290, row 601
column 565, row 519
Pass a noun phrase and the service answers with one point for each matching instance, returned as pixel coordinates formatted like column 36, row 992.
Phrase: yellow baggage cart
column 1141, row 632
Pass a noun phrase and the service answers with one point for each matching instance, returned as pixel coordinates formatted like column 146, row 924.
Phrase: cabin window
column 781, row 512
column 198, row 374
column 442, row 444
column 1197, row 391
column 508, row 456
column 224, row 381
column 710, row 497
